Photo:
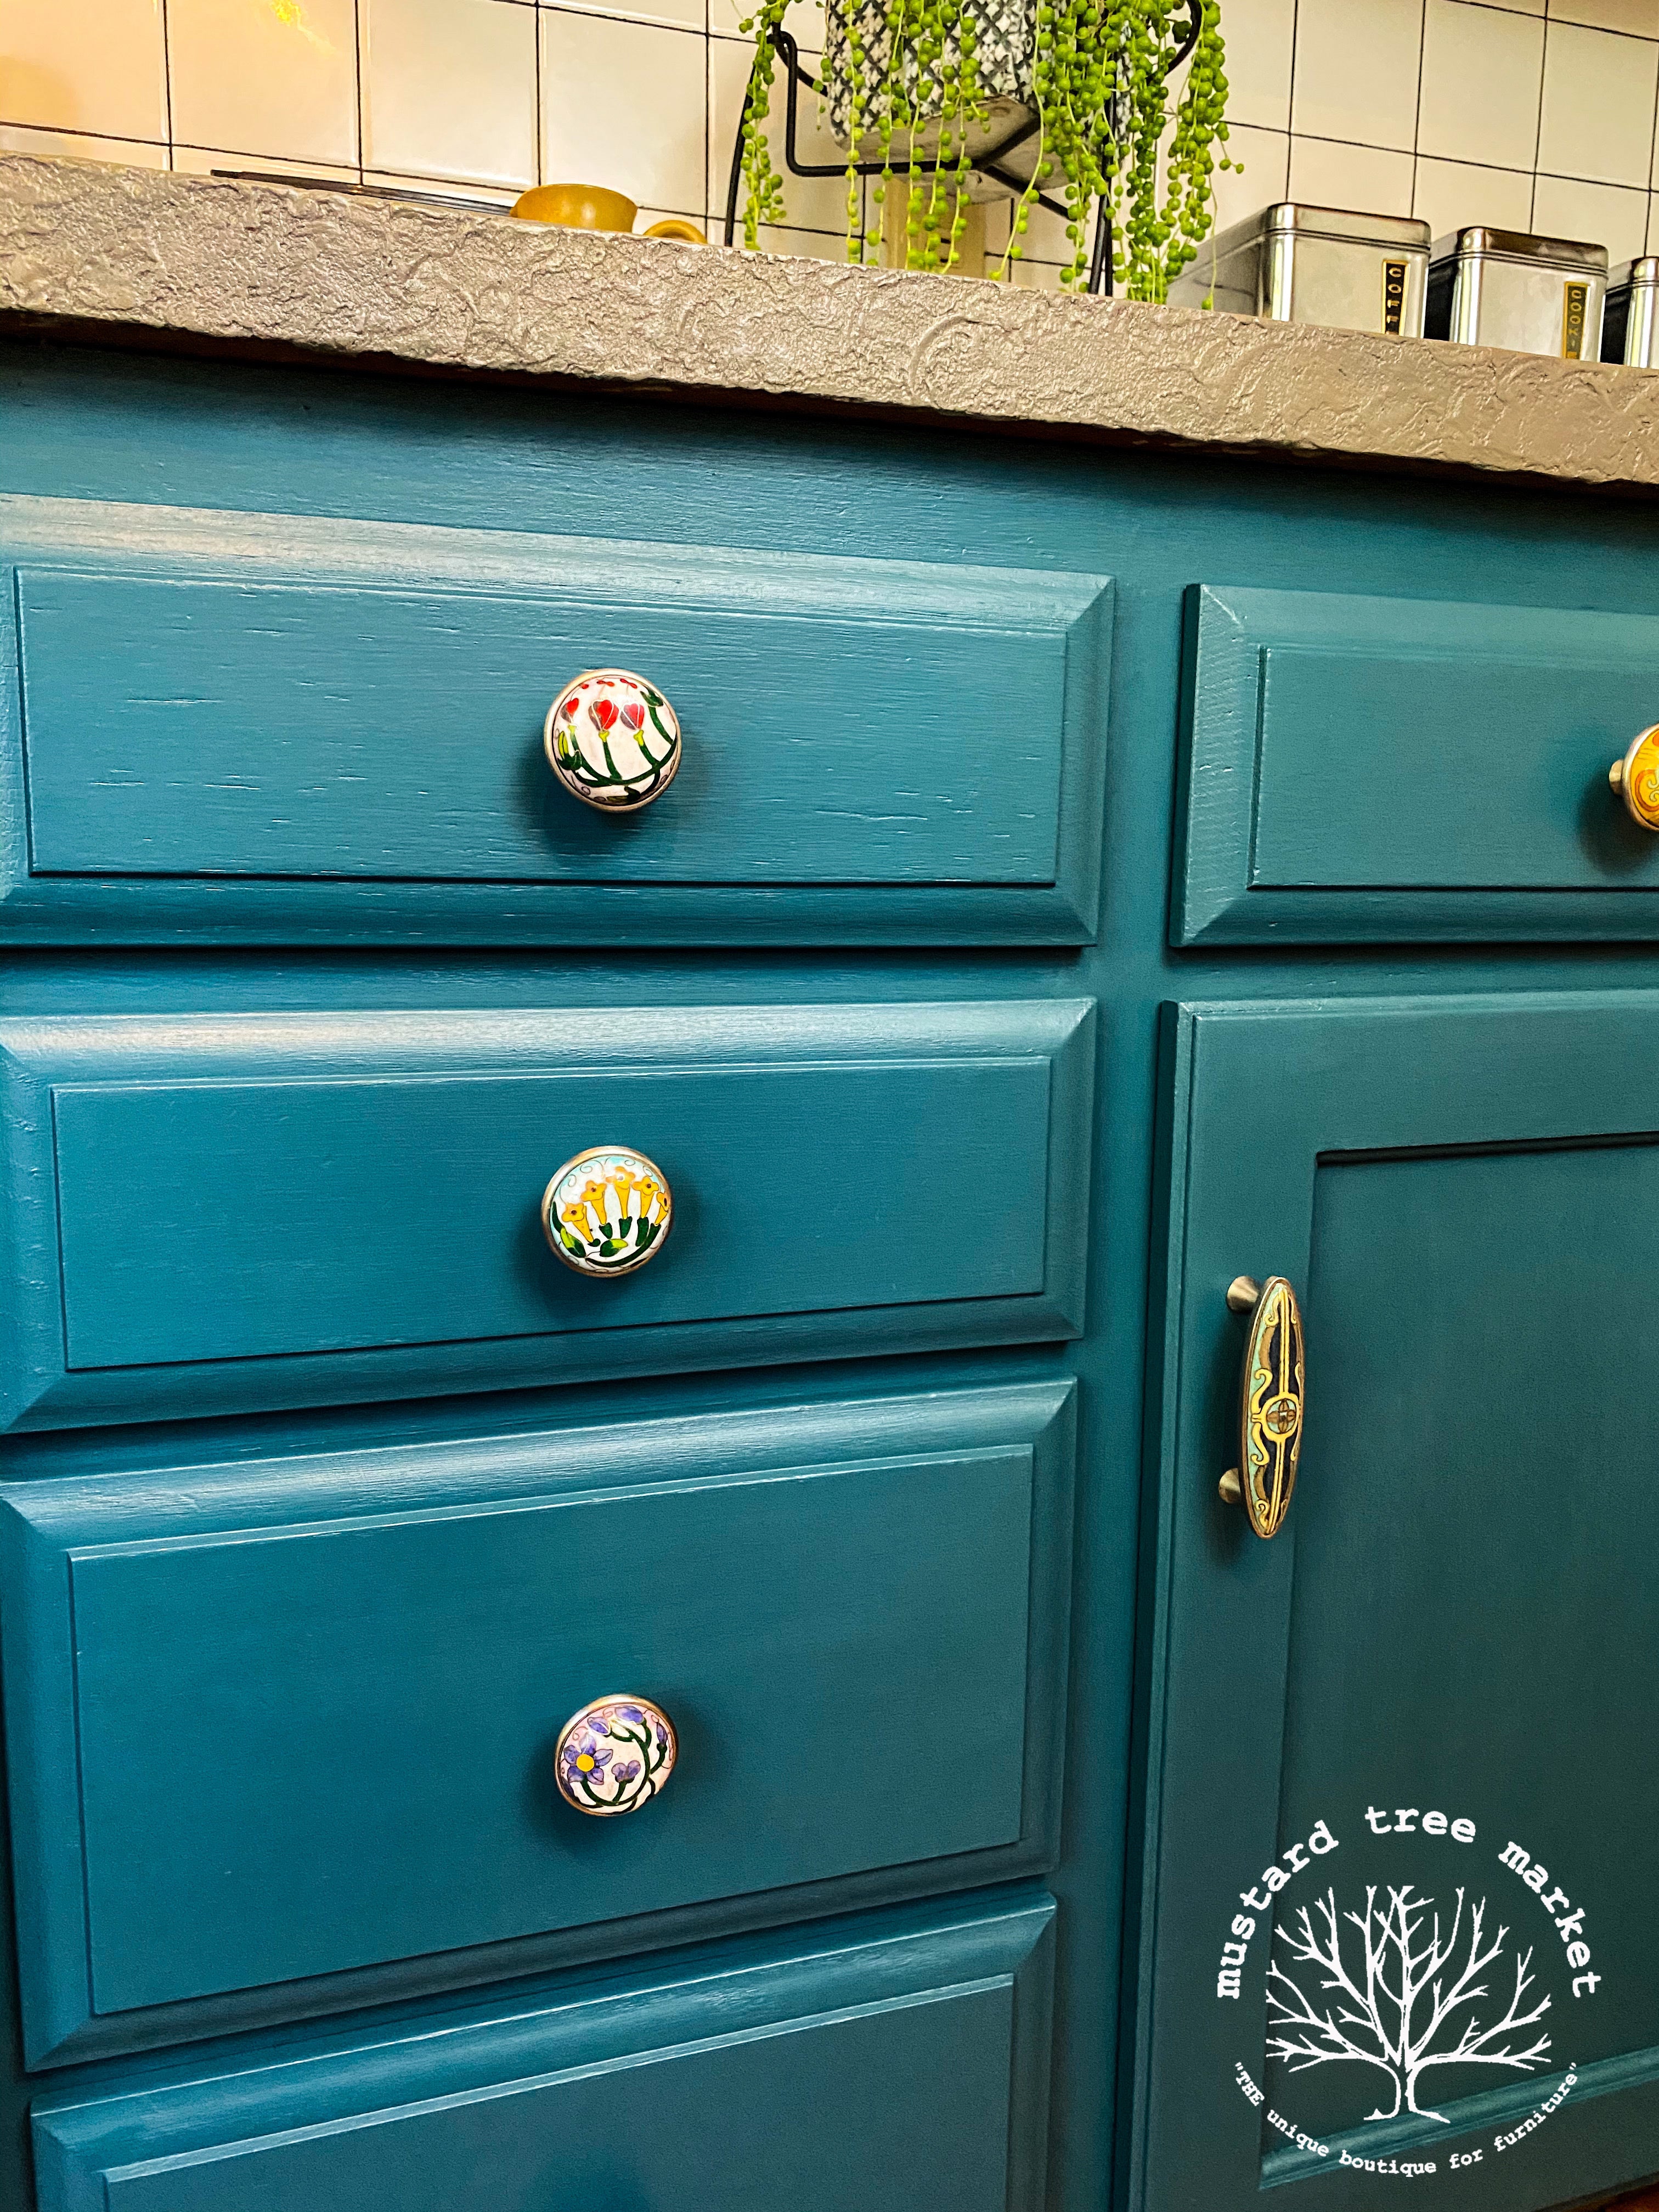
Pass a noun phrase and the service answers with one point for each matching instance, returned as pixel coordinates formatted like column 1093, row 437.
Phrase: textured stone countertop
column 197, row 263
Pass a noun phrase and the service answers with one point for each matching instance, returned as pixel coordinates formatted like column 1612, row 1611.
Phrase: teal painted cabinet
column 1091, row 876
column 836, row 2077
column 1398, row 1894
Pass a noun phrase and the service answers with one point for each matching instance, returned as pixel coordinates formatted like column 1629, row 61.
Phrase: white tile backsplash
column 1453, row 195
column 1357, row 69
column 804, row 21
column 1563, row 207
column 1371, row 180
column 1596, row 120
column 728, row 78
column 202, row 161
column 1261, row 48
column 660, row 159
column 100, row 68
column 1263, row 174
column 70, row 145
column 262, row 76
column 1483, row 74
column 1640, row 17
column 1521, row 113
column 449, row 89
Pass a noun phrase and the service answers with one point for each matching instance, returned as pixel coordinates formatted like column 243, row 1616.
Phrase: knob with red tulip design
column 612, row 740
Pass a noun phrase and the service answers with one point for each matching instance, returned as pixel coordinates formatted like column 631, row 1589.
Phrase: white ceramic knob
column 615, row 1755
column 608, row 1210
column 612, row 740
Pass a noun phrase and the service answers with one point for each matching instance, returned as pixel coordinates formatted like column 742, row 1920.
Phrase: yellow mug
column 590, row 206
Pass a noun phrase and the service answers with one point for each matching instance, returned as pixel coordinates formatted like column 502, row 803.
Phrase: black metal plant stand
column 988, row 164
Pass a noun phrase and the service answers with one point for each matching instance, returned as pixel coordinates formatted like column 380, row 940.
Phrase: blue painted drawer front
column 1381, row 768
column 871, row 2066
column 219, row 711
column 297, row 1720
column 236, row 1213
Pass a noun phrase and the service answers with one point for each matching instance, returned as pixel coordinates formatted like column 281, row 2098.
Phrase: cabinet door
column 1400, row 1826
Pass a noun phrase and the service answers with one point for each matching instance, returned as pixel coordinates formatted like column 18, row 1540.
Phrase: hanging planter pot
column 946, row 100
column 1004, row 41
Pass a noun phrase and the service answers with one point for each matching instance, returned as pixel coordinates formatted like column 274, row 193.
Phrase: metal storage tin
column 1311, row 265
column 1630, row 328
column 1500, row 287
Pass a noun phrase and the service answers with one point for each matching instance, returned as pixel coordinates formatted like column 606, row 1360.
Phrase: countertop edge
column 227, row 265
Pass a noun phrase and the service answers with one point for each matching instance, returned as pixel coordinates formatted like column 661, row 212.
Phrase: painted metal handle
column 608, row 1210
column 1271, row 1403
column 612, row 740
column 1636, row 778
column 615, row 1755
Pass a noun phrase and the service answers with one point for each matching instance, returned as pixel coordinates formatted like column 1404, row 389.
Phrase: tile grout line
column 1290, row 93
column 167, row 83
column 1538, row 129
column 1417, row 119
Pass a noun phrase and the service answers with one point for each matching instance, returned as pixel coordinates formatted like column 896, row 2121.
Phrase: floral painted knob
column 615, row 1755
column 608, row 1210
column 612, row 740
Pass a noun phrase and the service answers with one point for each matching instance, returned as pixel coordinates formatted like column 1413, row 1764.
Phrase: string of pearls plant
column 1096, row 72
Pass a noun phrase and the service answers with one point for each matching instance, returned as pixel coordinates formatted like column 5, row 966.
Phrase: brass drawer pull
column 1636, row 778
column 612, row 740
column 615, row 1755
column 1271, row 1403
column 607, row 1211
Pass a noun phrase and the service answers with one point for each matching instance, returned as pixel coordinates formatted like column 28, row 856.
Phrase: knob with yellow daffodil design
column 607, row 1211
column 615, row 1755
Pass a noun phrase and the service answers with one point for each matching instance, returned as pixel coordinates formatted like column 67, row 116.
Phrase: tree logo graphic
column 1399, row 1995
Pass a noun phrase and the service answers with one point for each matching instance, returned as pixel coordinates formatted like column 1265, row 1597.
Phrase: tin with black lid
column 1503, row 288
column 1296, row 264
column 1630, row 328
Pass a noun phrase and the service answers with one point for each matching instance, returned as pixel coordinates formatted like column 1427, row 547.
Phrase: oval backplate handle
column 1272, row 1403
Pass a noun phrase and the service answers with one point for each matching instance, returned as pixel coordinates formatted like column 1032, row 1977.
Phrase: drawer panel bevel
column 234, row 1213
column 275, row 1729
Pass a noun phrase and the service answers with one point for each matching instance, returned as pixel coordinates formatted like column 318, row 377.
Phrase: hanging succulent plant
column 923, row 75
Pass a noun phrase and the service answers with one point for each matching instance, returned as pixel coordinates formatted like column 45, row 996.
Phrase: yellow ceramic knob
column 615, row 1755
column 608, row 1210
column 612, row 740
column 1636, row 778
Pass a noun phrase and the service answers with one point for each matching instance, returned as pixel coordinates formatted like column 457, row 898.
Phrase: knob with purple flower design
column 612, row 740
column 615, row 1755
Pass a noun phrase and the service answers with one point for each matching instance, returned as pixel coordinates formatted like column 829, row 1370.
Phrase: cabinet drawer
column 853, row 1615
column 881, row 2065
column 1389, row 769
column 236, row 1213
column 278, row 728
